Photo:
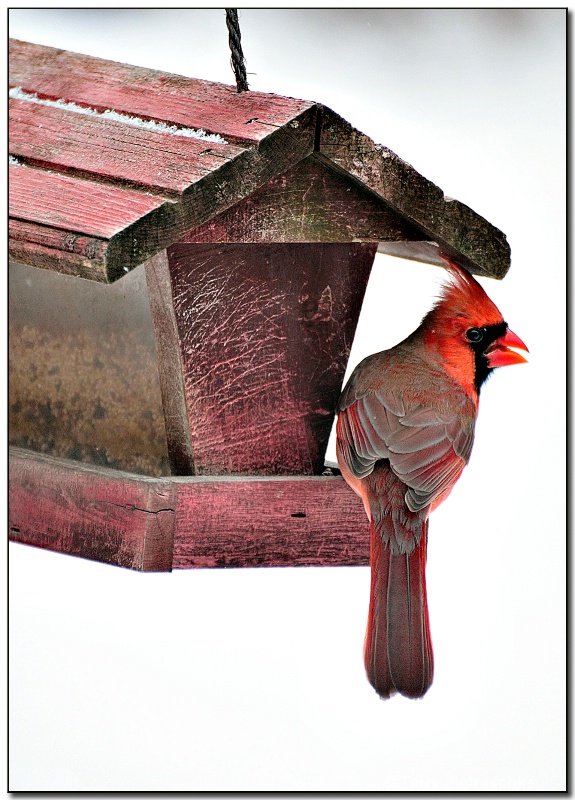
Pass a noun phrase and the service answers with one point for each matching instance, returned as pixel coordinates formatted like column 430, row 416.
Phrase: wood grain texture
column 169, row 365
column 213, row 107
column 458, row 231
column 89, row 146
column 136, row 192
column 77, row 254
column 307, row 203
column 269, row 522
column 130, row 225
column 98, row 514
column 149, row 525
column 60, row 260
column 265, row 333
column 80, row 206
column 252, row 168
column 83, row 209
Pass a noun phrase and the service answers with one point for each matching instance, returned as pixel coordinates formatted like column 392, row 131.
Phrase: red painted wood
column 90, row 248
column 110, row 150
column 61, row 212
column 80, row 206
column 150, row 94
column 264, row 336
column 155, row 525
column 98, row 514
column 269, row 522
column 403, row 207
column 58, row 250
column 88, row 168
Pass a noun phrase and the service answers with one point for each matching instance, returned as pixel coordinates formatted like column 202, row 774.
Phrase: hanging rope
column 238, row 61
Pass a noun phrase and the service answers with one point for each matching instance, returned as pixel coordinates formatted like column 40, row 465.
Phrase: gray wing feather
column 427, row 450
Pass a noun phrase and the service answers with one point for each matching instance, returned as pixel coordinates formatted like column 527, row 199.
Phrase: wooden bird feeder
column 189, row 265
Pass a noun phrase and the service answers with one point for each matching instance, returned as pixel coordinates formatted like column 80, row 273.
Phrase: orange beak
column 500, row 354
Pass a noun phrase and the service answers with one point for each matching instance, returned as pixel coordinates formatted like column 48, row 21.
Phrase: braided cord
column 238, row 61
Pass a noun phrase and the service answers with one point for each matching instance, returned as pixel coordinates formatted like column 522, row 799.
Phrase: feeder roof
column 110, row 164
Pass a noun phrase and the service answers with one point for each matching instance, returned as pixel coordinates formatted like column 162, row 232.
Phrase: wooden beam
column 269, row 522
column 156, row 525
column 102, row 178
column 58, row 250
column 132, row 224
column 458, row 231
column 83, row 209
column 95, row 513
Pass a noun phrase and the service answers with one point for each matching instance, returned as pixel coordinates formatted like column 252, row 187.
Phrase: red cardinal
column 404, row 434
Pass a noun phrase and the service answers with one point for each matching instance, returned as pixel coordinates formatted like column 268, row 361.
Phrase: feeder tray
column 176, row 361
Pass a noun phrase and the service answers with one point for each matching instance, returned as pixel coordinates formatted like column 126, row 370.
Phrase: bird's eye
column 474, row 334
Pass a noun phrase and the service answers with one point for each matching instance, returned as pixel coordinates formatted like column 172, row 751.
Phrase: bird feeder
column 188, row 268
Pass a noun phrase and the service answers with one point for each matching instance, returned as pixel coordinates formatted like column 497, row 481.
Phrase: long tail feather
column 398, row 652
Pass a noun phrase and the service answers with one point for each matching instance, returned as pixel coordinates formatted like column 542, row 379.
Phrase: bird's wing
column 427, row 449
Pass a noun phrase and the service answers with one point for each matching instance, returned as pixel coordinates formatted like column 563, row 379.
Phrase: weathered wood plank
column 270, row 522
column 180, row 523
column 426, row 251
column 98, row 514
column 307, row 203
column 116, row 227
column 269, row 135
column 252, row 168
column 460, row 233
column 129, row 220
column 57, row 259
column 108, row 150
column 80, row 206
column 58, row 250
column 212, row 107
column 169, row 365
column 137, row 225
column 90, row 248
column 265, row 333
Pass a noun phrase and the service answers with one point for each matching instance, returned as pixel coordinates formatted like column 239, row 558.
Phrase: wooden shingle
column 112, row 163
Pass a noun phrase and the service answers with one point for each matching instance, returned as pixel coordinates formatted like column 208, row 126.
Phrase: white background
column 253, row 679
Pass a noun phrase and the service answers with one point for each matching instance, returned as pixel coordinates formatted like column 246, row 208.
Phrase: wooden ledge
column 159, row 524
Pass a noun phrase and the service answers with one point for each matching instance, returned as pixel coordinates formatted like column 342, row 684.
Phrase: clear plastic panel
column 83, row 375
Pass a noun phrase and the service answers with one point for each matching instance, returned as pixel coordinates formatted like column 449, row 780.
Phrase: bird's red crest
column 463, row 298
